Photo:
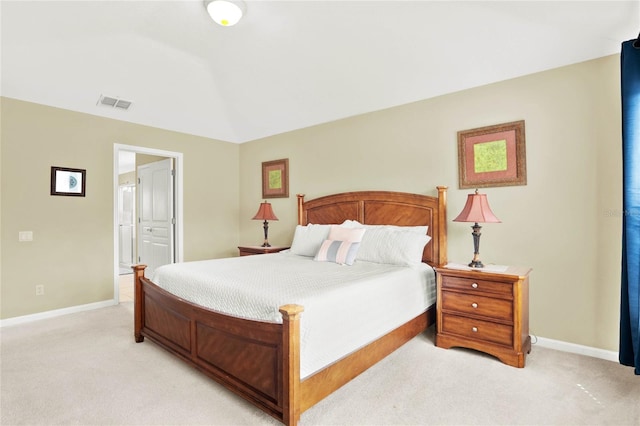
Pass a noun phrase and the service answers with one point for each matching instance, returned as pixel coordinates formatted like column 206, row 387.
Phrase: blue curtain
column 630, row 290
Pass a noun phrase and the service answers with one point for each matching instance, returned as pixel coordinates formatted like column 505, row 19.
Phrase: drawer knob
column 474, row 285
column 474, row 329
column 474, row 305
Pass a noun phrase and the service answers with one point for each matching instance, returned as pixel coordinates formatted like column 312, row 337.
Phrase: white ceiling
column 287, row 64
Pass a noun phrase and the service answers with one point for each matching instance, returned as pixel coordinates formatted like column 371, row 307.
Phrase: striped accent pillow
column 340, row 252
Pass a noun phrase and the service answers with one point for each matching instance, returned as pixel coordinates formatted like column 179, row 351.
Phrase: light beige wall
column 72, row 251
column 565, row 223
column 146, row 159
column 558, row 223
column 128, row 178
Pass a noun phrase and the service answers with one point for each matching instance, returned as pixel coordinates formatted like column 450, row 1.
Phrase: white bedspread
column 345, row 307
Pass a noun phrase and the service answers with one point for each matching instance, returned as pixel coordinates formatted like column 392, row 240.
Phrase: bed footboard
column 260, row 361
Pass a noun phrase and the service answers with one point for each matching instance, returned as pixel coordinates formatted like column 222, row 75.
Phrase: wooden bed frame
column 260, row 361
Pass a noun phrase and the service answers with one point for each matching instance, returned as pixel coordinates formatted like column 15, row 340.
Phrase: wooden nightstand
column 251, row 250
column 486, row 310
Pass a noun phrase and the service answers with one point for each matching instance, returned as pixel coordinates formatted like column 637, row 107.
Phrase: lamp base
column 265, row 226
column 476, row 264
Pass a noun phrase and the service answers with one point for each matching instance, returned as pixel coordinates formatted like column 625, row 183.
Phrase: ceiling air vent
column 113, row 102
column 122, row 104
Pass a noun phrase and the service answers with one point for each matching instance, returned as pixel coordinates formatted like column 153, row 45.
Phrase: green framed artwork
column 492, row 156
column 275, row 178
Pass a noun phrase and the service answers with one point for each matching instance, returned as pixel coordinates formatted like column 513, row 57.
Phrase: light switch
column 25, row 236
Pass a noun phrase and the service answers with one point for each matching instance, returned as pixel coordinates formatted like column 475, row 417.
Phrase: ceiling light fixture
column 225, row 12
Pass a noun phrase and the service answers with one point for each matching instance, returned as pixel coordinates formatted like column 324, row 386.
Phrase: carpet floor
column 86, row 369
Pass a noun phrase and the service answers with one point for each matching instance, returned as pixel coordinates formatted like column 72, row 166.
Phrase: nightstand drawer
column 478, row 329
column 470, row 285
column 478, row 305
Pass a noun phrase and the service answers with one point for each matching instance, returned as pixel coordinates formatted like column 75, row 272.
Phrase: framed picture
column 492, row 156
column 65, row 181
column 275, row 179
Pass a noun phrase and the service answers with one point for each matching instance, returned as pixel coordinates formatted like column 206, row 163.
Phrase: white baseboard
column 55, row 313
column 577, row 349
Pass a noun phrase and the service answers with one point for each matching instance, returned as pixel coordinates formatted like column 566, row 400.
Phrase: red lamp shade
column 265, row 212
column 477, row 210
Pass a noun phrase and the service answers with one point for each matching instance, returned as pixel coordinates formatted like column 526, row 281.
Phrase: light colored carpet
column 86, row 369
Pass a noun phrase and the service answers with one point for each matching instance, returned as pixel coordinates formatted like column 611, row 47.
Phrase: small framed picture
column 275, row 178
column 65, row 181
column 492, row 156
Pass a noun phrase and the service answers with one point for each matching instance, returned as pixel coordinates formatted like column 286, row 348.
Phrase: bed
column 260, row 360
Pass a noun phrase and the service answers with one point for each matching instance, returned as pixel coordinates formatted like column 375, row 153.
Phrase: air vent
column 122, row 104
column 113, row 102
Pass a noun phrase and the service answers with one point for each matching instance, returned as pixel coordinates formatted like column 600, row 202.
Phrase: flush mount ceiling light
column 225, row 12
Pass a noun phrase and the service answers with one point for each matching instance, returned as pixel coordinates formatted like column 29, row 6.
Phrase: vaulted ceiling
column 287, row 64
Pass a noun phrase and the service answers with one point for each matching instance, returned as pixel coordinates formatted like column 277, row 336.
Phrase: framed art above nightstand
column 484, row 309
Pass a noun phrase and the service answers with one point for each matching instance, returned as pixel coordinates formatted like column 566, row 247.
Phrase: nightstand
column 251, row 250
column 484, row 309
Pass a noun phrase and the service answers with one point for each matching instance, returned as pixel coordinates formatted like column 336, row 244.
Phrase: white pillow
column 340, row 252
column 355, row 224
column 308, row 239
column 351, row 235
column 386, row 245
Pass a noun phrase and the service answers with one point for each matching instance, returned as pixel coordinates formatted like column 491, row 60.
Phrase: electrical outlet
column 25, row 236
column 40, row 290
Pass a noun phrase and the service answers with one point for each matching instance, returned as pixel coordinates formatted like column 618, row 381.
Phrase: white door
column 126, row 225
column 156, row 215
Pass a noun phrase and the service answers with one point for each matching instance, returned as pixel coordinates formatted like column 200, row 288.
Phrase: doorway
column 127, row 248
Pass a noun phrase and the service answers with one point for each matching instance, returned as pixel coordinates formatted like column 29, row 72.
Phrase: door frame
column 178, row 201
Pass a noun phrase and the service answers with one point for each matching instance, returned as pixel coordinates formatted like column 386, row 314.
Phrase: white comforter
column 345, row 307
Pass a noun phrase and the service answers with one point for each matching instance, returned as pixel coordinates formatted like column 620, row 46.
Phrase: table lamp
column 476, row 210
column 265, row 212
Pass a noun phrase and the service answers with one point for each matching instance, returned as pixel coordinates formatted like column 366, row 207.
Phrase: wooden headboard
column 385, row 208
